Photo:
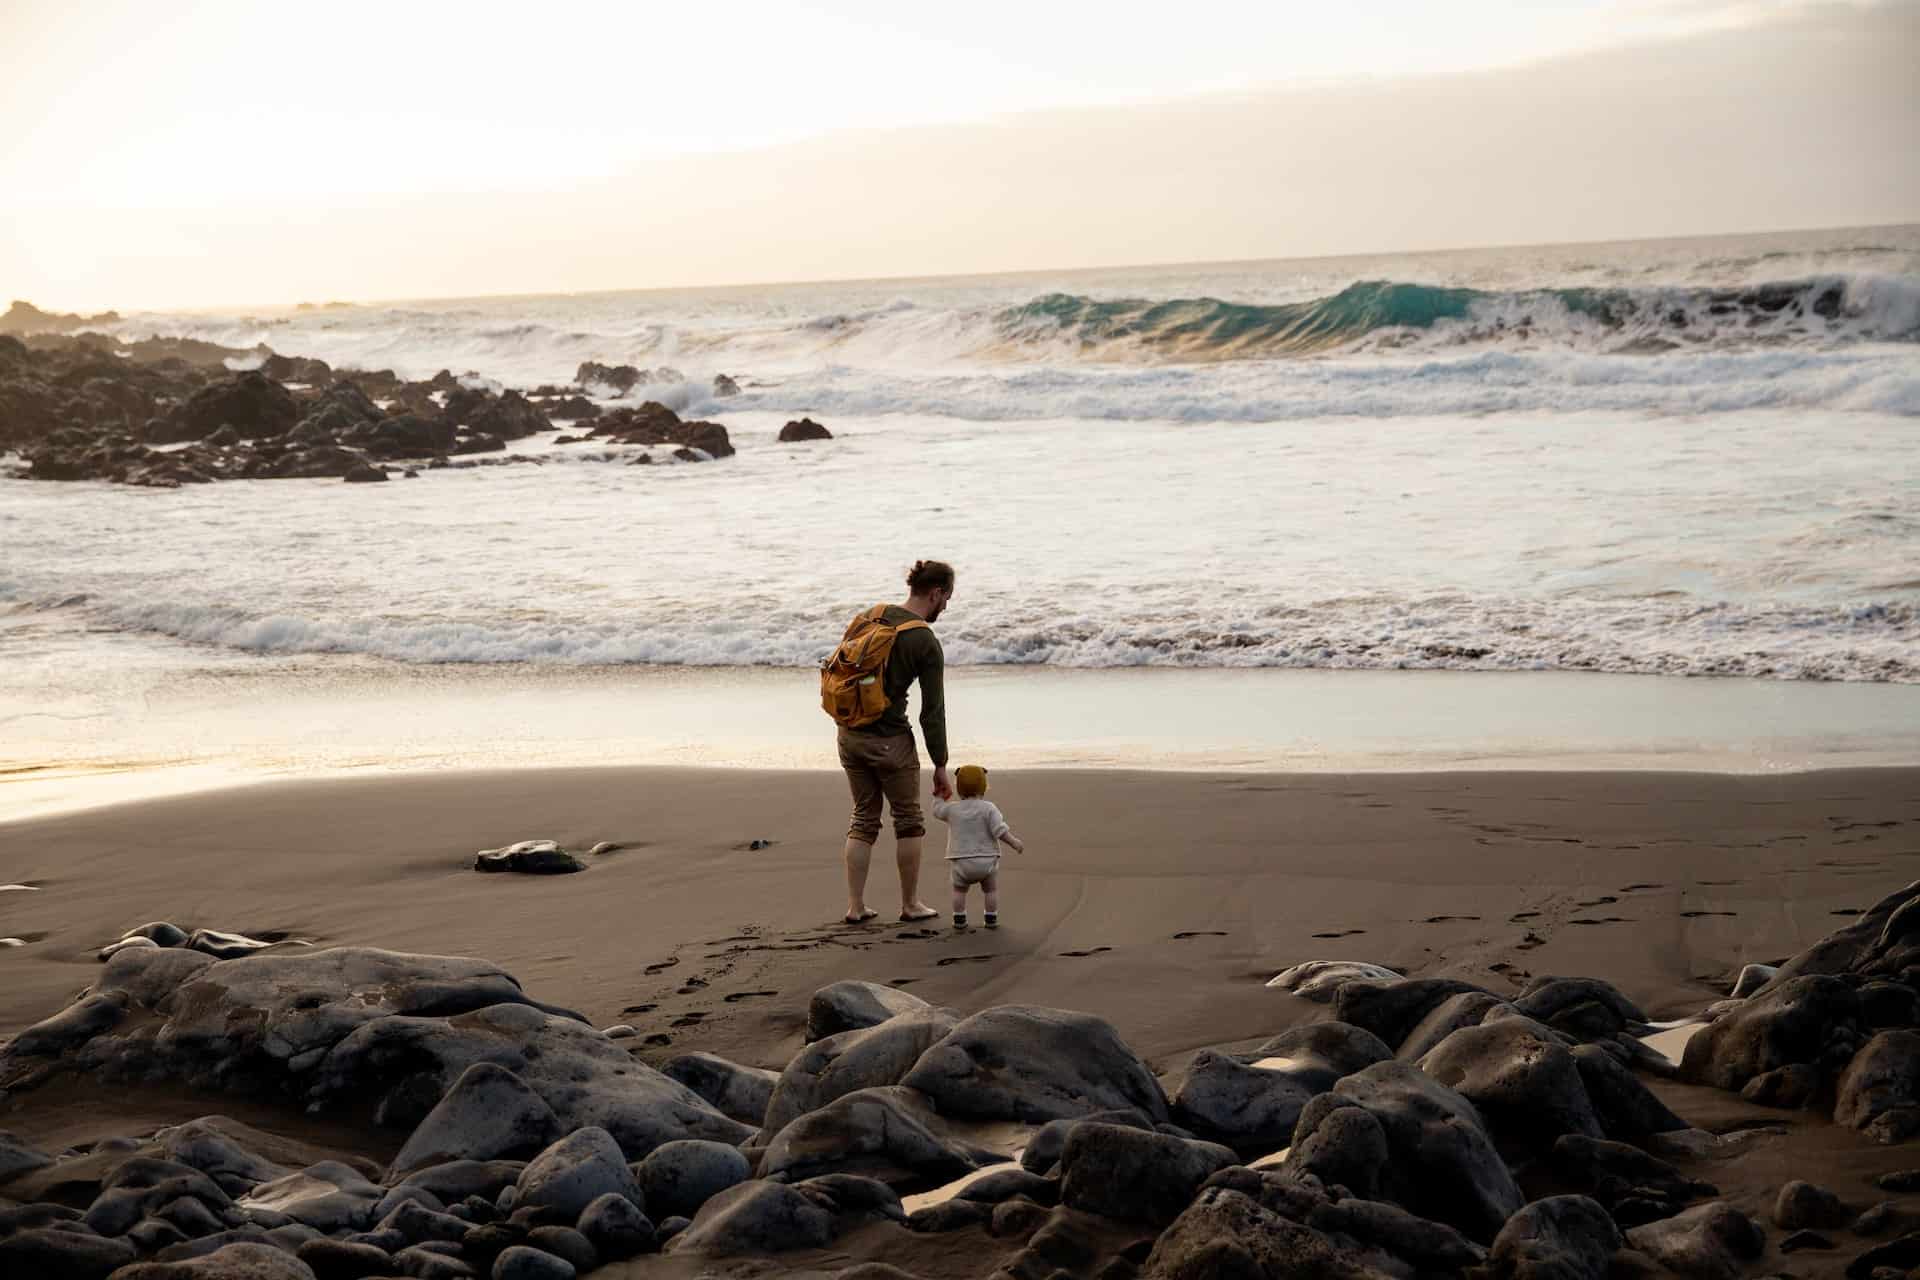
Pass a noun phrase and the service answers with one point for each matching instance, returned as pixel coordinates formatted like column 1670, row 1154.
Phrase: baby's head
column 970, row 780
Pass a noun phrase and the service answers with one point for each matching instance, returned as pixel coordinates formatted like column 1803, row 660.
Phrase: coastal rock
column 575, row 1171
column 1320, row 980
column 1341, row 1144
column 62, row 1252
column 234, row 1262
column 523, row 1263
column 1611, row 1171
column 851, row 1005
column 224, row 946
column 890, row 1134
column 1712, row 1241
column 617, row 379
column 803, row 429
column 456, row 1180
column 363, row 473
column 1467, row 1009
column 339, row 1260
column 724, row 386
column 73, row 1026
column 1226, row 1233
column 1879, row 1093
column 1812, row 1019
column 770, row 1217
column 677, row 1178
column 1557, row 1238
column 529, row 857
column 1802, row 1204
column 1319, row 1054
column 1043, row 1149
column 328, row 1196
column 653, row 423
column 489, row 1113
column 17, row 1157
column 1133, row 1176
column 253, row 404
column 1626, row 1108
column 1033, row 1065
column 1751, row 978
column 734, row 1090
column 615, row 1227
column 1584, row 1008
column 851, row 1060
column 1443, row 1165
column 1884, row 941
column 1428, row 1247
column 1519, row 1075
column 1392, row 1009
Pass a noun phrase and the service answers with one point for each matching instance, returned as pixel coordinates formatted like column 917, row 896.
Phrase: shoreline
column 147, row 733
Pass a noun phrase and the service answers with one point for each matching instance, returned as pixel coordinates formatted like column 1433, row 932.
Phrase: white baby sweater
column 974, row 826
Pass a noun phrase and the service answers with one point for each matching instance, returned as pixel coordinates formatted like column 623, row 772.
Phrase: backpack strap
column 918, row 624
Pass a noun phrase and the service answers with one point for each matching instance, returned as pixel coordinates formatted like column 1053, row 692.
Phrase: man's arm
column 933, row 709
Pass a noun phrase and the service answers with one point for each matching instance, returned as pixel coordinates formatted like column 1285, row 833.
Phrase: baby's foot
column 959, row 919
column 992, row 919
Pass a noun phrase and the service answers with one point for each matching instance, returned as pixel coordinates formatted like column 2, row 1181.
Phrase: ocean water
column 1674, row 458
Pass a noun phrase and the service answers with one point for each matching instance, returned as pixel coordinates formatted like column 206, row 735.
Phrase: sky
column 227, row 153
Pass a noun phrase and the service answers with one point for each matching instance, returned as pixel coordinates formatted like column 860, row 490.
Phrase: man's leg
column 900, row 782
column 859, row 855
column 908, row 855
column 863, row 830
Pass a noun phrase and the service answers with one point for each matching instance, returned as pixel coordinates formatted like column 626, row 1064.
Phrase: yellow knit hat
column 971, row 780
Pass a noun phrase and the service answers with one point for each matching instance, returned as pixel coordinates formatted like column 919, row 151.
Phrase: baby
column 975, row 832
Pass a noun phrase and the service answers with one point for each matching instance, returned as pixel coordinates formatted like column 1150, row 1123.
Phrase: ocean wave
column 1374, row 315
column 1870, row 641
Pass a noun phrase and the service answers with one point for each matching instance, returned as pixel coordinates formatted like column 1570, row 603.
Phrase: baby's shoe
column 992, row 919
column 959, row 919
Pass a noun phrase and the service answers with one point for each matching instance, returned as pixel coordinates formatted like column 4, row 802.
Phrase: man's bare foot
column 918, row 911
column 859, row 915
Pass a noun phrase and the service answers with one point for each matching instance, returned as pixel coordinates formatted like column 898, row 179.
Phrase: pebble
column 606, row 846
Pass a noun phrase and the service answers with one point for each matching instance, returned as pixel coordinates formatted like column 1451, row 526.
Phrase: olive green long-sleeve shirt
column 916, row 656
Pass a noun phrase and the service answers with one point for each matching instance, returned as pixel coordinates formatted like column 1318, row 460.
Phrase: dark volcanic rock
column 618, row 378
column 890, row 1134
column 1710, row 1240
column 677, row 1178
column 770, row 1217
column 724, row 386
column 1558, row 1238
column 1812, row 1019
column 1879, row 1093
column 1033, row 1065
column 1392, row 1009
column 1228, row 1235
column 852, row 1060
column 1523, row 1079
column 734, row 1090
column 489, row 1113
column 615, row 1227
column 1802, row 1204
column 655, row 424
column 575, row 1171
column 1132, row 1176
column 252, row 404
column 1884, row 942
column 57, row 1253
column 803, row 429
column 851, row 1005
column 1443, row 1165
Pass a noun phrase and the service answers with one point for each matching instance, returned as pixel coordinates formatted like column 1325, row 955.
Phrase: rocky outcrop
column 803, row 429
column 1030, row 1064
column 655, row 424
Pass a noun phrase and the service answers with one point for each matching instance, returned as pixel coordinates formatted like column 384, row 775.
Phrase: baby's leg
column 990, row 890
column 959, row 900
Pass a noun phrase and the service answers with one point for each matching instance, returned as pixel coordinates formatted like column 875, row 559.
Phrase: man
column 880, row 758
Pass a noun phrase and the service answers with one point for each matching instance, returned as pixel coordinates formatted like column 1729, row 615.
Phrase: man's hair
column 929, row 575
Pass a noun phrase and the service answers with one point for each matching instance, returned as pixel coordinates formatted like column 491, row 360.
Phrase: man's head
column 929, row 587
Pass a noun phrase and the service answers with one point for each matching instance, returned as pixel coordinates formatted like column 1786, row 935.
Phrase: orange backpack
column 853, row 682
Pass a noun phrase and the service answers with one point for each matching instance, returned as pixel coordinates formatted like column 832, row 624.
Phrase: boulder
column 1320, row 980
column 1341, row 1144
column 1467, row 1009
column 1250, row 1109
column 364, row 473
column 724, row 386
column 677, row 1178
column 1882, row 942
column 1711, row 1241
column 734, row 1090
column 1802, row 1204
column 455, row 1180
column 488, row 1114
column 1043, row 1149
column 1624, row 1105
column 253, row 404
column 62, row 1253
column 1034, row 1065
column 1227, row 1235
column 890, row 1134
column 17, row 1157
column 1520, row 1076
column 234, row 1262
column 803, row 429
column 864, row 1058
column 1584, row 1008
column 617, row 379
column 149, row 976
column 339, row 1260
column 565, row 1242
column 770, row 1217
column 852, row 1005
column 328, row 1196
column 1134, row 1176
column 529, row 857
column 1811, row 1019
column 1443, row 1165
column 1557, row 1238
column 72, row 1027
column 523, row 1263
column 615, row 1227
column 1427, row 1247
column 1391, row 1009
column 575, row 1171
column 1879, row 1093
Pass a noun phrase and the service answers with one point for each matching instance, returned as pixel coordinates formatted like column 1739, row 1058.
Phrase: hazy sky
column 255, row 152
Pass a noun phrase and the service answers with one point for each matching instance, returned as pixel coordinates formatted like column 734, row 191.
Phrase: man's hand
column 942, row 784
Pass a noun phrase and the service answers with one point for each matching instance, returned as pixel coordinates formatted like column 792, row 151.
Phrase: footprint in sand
column 1607, row 901
column 1531, row 941
column 688, row 1020
column 664, row 964
column 1446, row 919
column 1848, row 911
column 1717, row 884
column 902, row 982
column 1518, row 916
column 947, row 960
column 1600, row 920
column 693, row 985
column 1093, row 951
column 1635, row 888
column 737, row 996
column 658, row 1037
column 640, row 1008
column 1695, row 915
column 1198, row 933
column 1341, row 933
column 915, row 933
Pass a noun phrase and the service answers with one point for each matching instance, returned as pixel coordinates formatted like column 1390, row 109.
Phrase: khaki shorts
column 882, row 769
column 973, row 869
